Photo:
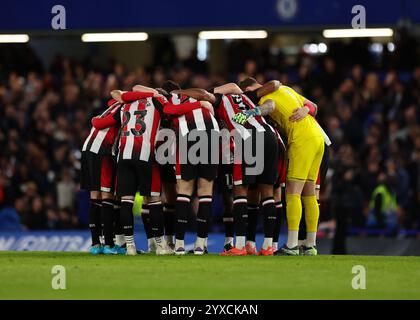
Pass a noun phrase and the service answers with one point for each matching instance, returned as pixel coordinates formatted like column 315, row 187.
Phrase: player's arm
column 109, row 120
column 264, row 109
column 228, row 88
column 130, row 96
column 268, row 88
column 141, row 88
column 198, row 94
column 183, row 108
column 308, row 108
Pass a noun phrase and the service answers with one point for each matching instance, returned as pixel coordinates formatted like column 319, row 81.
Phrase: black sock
column 118, row 229
column 145, row 217
column 240, row 211
column 169, row 219
column 279, row 216
column 269, row 214
column 95, row 220
column 156, row 218
column 229, row 223
column 203, row 216
column 108, row 220
column 302, row 226
column 251, row 228
column 127, row 220
column 182, row 210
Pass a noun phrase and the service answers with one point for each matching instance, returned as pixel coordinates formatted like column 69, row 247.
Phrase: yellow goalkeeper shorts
column 304, row 159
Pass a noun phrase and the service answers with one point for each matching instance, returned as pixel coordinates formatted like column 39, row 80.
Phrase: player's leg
column 118, row 229
column 253, row 210
column 90, row 181
column 95, row 206
column 310, row 201
column 268, row 210
column 224, row 187
column 145, row 218
column 107, row 213
column 265, row 181
column 126, row 189
column 182, row 211
column 107, row 196
column 167, row 175
column 228, row 219
column 293, row 215
column 150, row 188
column 169, row 190
column 279, row 215
column 240, row 211
column 301, row 157
column 205, row 196
column 277, row 191
column 310, row 204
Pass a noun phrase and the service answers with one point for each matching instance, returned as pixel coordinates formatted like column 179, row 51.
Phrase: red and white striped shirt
column 140, row 118
column 140, row 121
column 227, row 105
column 100, row 141
column 198, row 119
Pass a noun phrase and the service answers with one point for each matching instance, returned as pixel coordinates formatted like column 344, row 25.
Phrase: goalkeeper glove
column 243, row 116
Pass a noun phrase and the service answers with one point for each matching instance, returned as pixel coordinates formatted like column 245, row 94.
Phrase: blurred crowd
column 370, row 110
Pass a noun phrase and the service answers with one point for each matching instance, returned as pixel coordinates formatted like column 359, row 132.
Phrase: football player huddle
column 177, row 147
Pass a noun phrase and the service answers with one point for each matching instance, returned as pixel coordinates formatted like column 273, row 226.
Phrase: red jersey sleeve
column 180, row 109
column 130, row 96
column 108, row 119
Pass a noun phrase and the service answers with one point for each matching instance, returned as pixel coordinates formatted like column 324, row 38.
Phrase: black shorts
column 98, row 172
column 202, row 167
column 137, row 175
column 224, row 178
column 267, row 161
column 167, row 173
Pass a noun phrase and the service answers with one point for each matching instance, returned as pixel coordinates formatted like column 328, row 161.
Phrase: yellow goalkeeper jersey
column 286, row 100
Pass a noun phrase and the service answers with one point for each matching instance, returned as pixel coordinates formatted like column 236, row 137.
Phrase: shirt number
column 139, row 114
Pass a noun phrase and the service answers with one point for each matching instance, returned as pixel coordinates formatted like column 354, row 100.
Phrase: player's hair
column 247, row 83
column 170, row 86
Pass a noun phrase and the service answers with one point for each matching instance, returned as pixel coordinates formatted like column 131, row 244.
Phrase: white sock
column 102, row 240
column 268, row 242
column 151, row 242
column 310, row 239
column 292, row 239
column 119, row 239
column 240, row 242
column 205, row 241
column 179, row 244
column 301, row 242
column 160, row 240
column 169, row 239
column 129, row 240
column 228, row 240
column 200, row 242
column 275, row 246
column 251, row 243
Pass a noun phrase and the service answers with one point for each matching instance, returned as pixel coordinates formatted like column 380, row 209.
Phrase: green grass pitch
column 27, row 275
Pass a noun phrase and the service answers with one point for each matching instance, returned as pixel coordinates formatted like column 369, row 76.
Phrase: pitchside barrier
column 79, row 241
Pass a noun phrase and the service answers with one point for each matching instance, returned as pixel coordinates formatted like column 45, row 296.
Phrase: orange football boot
column 234, row 252
column 250, row 249
column 266, row 252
